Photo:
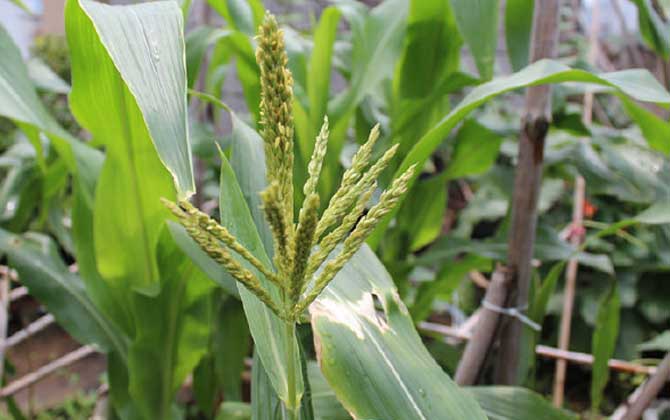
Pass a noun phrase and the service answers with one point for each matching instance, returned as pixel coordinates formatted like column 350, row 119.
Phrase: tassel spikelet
column 276, row 109
column 298, row 247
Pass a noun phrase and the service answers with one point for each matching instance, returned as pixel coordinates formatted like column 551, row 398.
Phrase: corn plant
column 290, row 243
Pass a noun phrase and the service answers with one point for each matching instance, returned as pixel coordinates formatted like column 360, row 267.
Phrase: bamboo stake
column 32, row 329
column 546, row 352
column 576, row 237
column 535, row 124
column 475, row 351
column 649, row 390
column 46, row 370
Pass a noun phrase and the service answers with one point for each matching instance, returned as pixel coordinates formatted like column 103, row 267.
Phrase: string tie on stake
column 514, row 313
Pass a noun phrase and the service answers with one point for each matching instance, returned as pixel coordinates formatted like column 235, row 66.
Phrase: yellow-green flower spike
column 338, row 208
column 223, row 235
column 309, row 216
column 353, row 242
column 276, row 110
column 281, row 229
column 316, row 162
column 342, row 223
column 330, row 241
column 212, row 247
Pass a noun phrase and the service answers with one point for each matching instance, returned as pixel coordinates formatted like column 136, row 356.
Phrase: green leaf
column 318, row 76
column 475, row 151
column 422, row 81
column 513, row 403
column 197, row 43
column 518, row 27
column 659, row 343
column 45, row 78
column 604, row 343
column 20, row 103
column 326, row 405
column 654, row 129
column 264, row 402
column 638, row 84
column 210, row 267
column 445, row 282
column 656, row 214
column 153, row 71
column 132, row 97
column 22, row 5
column 376, row 43
column 422, row 218
column 243, row 15
column 231, row 410
column 172, row 332
column 654, row 29
column 266, row 328
column 35, row 258
column 375, row 361
column 478, row 23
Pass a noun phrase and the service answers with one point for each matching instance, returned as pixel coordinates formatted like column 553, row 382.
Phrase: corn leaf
column 132, row 97
column 20, row 103
column 638, row 84
column 266, row 328
column 604, row 343
column 41, row 269
column 172, row 332
column 478, row 23
column 518, row 26
column 373, row 358
column 512, row 403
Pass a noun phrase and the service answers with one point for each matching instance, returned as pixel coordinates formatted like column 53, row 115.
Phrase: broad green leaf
column 220, row 371
column 512, row 403
column 318, row 75
column 197, row 43
column 604, row 343
column 20, row 103
column 659, row 343
column 210, row 267
column 266, row 328
column 654, row 129
column 423, row 216
column 132, row 97
column 264, row 402
column 422, row 81
column 475, row 150
column 430, row 26
column 231, row 410
column 326, row 405
column 656, row 214
column 35, row 258
column 478, row 23
column 152, row 71
column 110, row 298
column 172, row 332
column 654, row 29
column 638, row 84
column 445, row 282
column 45, row 78
column 376, row 42
column 243, row 15
column 518, row 27
column 373, row 358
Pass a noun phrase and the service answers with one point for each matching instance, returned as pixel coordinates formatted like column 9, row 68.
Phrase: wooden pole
column 649, row 390
column 535, row 123
column 577, row 220
column 475, row 351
